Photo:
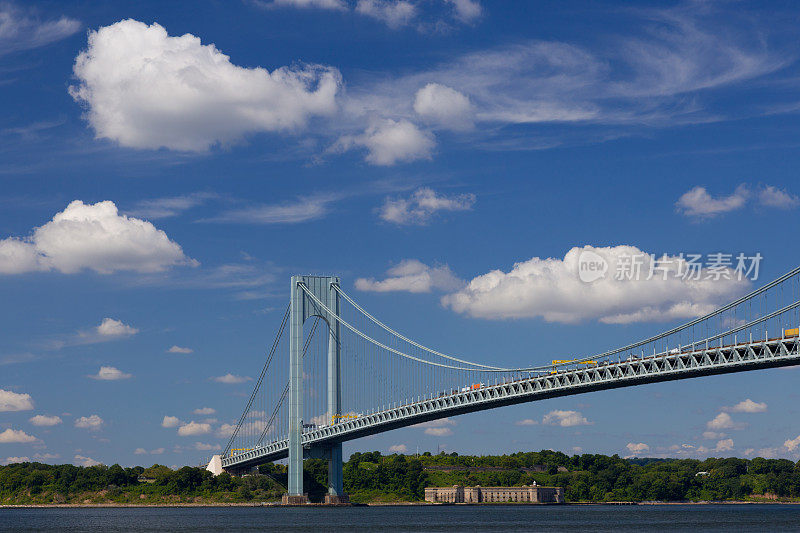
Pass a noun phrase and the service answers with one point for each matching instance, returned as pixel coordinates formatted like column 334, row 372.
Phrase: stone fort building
column 524, row 494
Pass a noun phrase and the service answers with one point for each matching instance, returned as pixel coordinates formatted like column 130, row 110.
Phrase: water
column 697, row 518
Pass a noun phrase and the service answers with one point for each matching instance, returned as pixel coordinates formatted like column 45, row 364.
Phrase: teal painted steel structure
column 335, row 481
column 301, row 309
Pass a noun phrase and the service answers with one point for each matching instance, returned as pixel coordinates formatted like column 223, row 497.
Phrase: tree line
column 373, row 476
column 24, row 483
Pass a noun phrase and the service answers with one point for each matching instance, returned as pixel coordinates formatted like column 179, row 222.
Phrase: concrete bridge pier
column 335, row 488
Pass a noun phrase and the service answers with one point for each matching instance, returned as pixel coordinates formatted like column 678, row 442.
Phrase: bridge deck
column 664, row 367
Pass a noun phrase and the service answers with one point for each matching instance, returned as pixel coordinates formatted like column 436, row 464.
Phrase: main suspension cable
column 338, row 289
column 397, row 352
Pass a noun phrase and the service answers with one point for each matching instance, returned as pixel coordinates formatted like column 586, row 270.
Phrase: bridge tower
column 301, row 308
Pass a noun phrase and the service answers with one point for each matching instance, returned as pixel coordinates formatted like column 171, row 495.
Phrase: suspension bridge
column 349, row 375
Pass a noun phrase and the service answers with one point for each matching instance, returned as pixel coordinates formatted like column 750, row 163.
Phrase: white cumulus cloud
column 526, row 422
column 92, row 237
column 111, row 327
column 723, row 421
column 180, row 349
column 773, row 197
column 792, row 444
column 390, row 141
column 109, row 373
column 422, row 205
column 10, row 436
column 637, row 447
column 45, row 420
column 81, row 460
column 194, row 428
column 748, row 406
column 552, row 289
column 12, row 401
column 444, row 107
column 139, row 451
column 146, row 89
column 170, row 422
column 700, row 204
column 565, row 418
column 725, row 445
column 92, row 423
column 414, row 276
column 205, row 411
column 231, row 379
column 398, row 448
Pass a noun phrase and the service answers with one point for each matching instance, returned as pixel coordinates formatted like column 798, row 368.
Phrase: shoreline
column 376, row 504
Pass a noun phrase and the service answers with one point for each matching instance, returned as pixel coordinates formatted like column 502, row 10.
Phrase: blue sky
column 166, row 167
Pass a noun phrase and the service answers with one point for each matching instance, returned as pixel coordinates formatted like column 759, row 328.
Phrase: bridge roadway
column 610, row 375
